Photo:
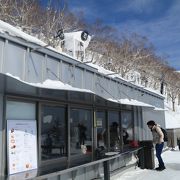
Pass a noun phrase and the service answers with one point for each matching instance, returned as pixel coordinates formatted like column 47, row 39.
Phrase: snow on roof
column 154, row 91
column 58, row 85
column 131, row 102
column 100, row 69
column 160, row 109
column 13, row 31
column 106, row 72
column 52, row 84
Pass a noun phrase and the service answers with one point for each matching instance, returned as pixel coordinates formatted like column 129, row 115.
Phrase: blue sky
column 158, row 20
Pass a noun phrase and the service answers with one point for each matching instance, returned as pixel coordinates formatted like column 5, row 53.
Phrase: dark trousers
column 159, row 148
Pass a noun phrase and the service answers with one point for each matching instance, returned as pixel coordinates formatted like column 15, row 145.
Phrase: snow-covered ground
column 172, row 171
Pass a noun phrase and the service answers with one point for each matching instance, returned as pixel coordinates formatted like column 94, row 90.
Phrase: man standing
column 158, row 140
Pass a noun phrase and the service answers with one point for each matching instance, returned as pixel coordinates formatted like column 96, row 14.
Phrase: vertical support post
column 2, row 135
column 84, row 53
column 2, row 52
column 95, row 133
column 106, row 170
column 24, row 64
column 68, row 137
column 44, row 69
column 121, row 131
column 61, row 70
column 74, row 48
column 108, row 130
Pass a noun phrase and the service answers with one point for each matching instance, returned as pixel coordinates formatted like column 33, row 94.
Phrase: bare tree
column 23, row 14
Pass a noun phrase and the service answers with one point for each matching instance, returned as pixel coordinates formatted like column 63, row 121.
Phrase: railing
column 105, row 161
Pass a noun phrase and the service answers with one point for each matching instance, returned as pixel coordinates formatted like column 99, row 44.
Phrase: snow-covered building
column 63, row 106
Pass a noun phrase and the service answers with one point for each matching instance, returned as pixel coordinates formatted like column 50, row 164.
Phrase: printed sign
column 99, row 122
column 22, row 145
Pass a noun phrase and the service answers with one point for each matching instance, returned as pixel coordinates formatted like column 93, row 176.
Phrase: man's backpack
column 165, row 134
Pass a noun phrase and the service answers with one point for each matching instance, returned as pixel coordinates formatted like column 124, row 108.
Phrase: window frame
column 73, row 106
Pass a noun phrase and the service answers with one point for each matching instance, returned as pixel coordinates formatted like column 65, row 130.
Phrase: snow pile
column 171, row 159
column 52, row 84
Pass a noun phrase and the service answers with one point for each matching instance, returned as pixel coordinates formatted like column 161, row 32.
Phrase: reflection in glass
column 53, row 130
column 101, row 128
column 81, row 131
column 127, row 124
column 13, row 109
column 114, row 129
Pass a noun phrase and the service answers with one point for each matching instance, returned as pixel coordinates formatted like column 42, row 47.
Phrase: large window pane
column 114, row 129
column 53, row 131
column 20, row 110
column 81, row 131
column 101, row 128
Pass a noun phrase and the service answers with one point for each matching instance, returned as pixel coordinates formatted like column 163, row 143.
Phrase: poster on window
column 22, row 145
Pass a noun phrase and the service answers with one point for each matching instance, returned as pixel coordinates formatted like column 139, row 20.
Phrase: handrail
column 86, row 165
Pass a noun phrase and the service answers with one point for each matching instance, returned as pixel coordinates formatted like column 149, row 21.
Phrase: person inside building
column 48, row 143
column 82, row 133
column 158, row 140
column 125, row 136
column 114, row 136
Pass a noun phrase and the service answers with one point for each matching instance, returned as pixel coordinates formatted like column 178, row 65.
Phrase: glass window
column 53, row 132
column 55, row 94
column 127, row 125
column 79, row 96
column 101, row 128
column 20, row 110
column 100, row 101
column 114, row 129
column 81, row 131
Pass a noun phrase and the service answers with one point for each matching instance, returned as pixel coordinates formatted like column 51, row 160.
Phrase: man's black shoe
column 161, row 168
column 157, row 168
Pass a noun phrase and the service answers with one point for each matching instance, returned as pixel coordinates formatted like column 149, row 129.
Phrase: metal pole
column 106, row 170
